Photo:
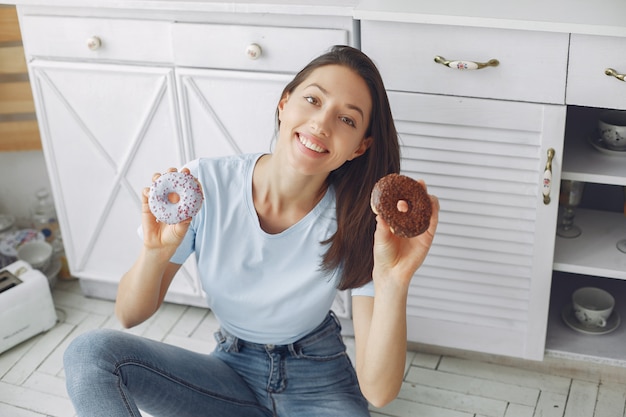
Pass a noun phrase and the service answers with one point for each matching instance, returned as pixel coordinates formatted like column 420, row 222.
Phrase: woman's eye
column 348, row 121
column 311, row 99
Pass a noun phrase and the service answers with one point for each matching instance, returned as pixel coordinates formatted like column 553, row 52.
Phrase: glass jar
column 44, row 217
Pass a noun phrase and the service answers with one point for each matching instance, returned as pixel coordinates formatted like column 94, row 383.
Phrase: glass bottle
column 44, row 216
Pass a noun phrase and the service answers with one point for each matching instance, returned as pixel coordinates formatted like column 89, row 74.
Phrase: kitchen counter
column 318, row 7
column 601, row 17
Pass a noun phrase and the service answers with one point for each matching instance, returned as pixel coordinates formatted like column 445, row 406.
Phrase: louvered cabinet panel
column 485, row 285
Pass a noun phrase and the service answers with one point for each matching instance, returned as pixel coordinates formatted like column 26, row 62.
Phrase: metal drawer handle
column 466, row 65
column 254, row 51
column 547, row 177
column 612, row 72
column 94, row 43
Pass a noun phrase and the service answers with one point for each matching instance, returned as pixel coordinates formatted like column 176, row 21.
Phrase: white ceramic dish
column 572, row 322
column 599, row 145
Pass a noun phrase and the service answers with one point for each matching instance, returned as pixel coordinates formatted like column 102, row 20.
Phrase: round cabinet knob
column 94, row 43
column 254, row 51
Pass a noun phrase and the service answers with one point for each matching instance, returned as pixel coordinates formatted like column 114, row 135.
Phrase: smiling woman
column 18, row 126
column 277, row 235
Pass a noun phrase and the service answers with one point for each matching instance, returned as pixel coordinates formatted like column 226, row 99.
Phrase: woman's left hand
column 398, row 258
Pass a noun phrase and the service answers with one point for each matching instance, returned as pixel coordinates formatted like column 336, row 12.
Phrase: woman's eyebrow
column 350, row 106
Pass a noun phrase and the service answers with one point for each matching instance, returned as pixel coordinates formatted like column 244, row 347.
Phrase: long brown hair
column 351, row 246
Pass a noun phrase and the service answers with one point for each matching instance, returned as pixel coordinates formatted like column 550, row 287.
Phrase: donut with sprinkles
column 175, row 197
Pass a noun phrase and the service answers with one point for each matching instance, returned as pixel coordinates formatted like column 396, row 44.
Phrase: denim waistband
column 329, row 326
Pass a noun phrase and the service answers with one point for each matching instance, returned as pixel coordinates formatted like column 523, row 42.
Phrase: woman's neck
column 283, row 198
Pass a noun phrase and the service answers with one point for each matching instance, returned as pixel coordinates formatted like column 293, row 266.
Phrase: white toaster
column 26, row 307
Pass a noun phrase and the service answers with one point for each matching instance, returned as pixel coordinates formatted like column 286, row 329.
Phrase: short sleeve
column 366, row 290
column 186, row 248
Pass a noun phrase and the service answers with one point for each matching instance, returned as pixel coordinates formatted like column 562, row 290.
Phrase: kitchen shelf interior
column 594, row 252
column 591, row 259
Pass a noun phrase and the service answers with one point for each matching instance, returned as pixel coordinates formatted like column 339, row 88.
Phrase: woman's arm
column 380, row 321
column 142, row 289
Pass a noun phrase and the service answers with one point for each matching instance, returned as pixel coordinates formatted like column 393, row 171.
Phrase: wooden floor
column 32, row 379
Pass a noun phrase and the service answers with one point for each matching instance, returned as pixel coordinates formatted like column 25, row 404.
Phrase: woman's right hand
column 156, row 234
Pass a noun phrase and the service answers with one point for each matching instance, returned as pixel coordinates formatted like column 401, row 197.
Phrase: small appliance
column 26, row 307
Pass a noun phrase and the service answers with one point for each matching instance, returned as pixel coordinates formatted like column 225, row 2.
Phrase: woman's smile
column 309, row 144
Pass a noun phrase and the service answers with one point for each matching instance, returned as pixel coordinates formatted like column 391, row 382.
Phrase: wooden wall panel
column 16, row 97
column 9, row 27
column 12, row 60
column 18, row 125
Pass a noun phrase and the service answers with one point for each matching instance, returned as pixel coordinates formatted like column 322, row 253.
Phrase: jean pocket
column 325, row 349
column 225, row 342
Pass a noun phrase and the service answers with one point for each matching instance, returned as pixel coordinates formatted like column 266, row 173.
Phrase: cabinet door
column 105, row 130
column 485, row 285
column 228, row 112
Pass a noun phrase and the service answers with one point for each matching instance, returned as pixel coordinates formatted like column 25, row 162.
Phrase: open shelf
column 562, row 341
column 591, row 259
column 594, row 251
column 583, row 162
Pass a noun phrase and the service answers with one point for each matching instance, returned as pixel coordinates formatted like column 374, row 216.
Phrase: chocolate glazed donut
column 403, row 203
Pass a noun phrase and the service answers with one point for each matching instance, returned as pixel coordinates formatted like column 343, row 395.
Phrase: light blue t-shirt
column 263, row 288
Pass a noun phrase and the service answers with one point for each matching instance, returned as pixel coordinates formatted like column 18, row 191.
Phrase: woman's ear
column 363, row 146
column 281, row 104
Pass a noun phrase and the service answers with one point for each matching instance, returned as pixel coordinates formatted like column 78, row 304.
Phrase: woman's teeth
column 310, row 145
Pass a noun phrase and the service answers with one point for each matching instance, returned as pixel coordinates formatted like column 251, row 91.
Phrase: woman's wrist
column 158, row 255
column 385, row 283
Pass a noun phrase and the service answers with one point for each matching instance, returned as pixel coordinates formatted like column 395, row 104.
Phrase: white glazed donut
column 188, row 202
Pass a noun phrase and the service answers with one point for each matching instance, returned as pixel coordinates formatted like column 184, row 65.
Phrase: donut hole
column 402, row 206
column 173, row 198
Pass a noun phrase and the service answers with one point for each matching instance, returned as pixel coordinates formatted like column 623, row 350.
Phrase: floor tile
column 32, row 378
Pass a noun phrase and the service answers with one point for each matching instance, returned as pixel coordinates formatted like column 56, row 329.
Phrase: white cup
column 612, row 128
column 592, row 306
column 37, row 253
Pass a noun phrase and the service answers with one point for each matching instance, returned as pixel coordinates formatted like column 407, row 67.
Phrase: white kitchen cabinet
column 104, row 129
column 479, row 138
column 107, row 125
column 122, row 95
column 485, row 285
column 592, row 259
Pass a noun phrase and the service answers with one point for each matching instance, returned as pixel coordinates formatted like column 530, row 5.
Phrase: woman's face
column 324, row 120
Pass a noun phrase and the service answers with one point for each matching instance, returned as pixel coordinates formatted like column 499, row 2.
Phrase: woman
column 277, row 235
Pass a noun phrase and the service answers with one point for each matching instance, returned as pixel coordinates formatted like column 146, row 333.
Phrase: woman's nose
column 320, row 122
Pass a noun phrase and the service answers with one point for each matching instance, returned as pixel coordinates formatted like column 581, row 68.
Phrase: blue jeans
column 114, row 374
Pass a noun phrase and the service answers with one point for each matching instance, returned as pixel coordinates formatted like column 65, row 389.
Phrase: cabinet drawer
column 120, row 40
column 587, row 83
column 258, row 48
column 532, row 65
